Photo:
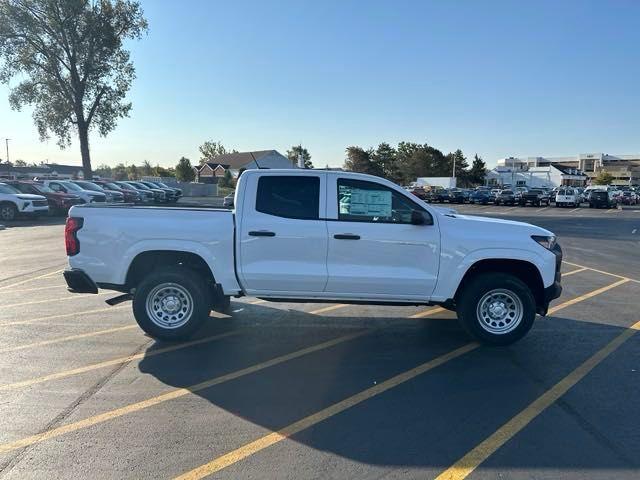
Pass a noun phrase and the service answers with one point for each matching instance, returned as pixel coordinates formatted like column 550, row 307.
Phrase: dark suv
column 506, row 197
column 535, row 197
column 601, row 198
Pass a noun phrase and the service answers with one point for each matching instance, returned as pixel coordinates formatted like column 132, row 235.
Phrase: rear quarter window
column 294, row 196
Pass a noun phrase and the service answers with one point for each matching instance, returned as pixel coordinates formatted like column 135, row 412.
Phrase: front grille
column 40, row 203
column 99, row 199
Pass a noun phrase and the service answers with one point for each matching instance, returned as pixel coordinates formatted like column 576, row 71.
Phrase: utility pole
column 6, row 141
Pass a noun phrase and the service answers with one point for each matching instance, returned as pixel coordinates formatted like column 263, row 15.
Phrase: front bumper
column 79, row 282
column 554, row 290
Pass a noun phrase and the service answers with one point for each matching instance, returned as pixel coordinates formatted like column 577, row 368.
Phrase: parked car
column 170, row 194
column 146, row 195
column 177, row 191
column 480, row 197
column 506, row 197
column 59, row 203
column 567, row 197
column 440, row 195
column 499, row 273
column 112, row 195
column 129, row 194
column 601, row 198
column 159, row 196
column 419, row 192
column 457, row 195
column 64, row 186
column 493, row 194
column 629, row 198
column 228, row 200
column 535, row 197
column 14, row 203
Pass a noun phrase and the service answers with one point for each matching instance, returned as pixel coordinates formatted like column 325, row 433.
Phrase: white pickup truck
column 314, row 236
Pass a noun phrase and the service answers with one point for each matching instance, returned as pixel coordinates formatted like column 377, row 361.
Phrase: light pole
column 6, row 141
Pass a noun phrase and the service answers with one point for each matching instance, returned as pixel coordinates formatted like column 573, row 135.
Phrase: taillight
column 71, row 242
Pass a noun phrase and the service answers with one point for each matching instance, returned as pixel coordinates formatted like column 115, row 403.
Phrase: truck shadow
column 427, row 422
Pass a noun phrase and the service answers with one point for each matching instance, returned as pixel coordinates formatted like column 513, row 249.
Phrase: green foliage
column 184, row 170
column 385, row 159
column 133, row 172
column 68, row 59
column 211, row 149
column 603, row 178
column 104, row 171
column 119, row 172
column 360, row 160
column 226, row 180
column 159, row 171
column 146, row 170
column 19, row 163
column 296, row 150
column 478, row 171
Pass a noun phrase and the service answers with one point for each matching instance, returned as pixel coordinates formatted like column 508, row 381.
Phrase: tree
column 104, row 171
column 132, row 172
column 385, row 159
column 461, row 167
column 226, row 180
column 184, row 170
column 159, row 171
column 20, row 163
column 359, row 160
column 300, row 150
column 478, row 171
column 211, row 149
column 146, row 169
column 119, row 172
column 69, row 59
column 603, row 178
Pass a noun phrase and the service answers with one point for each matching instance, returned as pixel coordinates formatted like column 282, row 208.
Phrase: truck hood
column 29, row 196
column 498, row 224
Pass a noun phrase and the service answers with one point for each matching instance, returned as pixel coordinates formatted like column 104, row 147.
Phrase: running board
column 119, row 299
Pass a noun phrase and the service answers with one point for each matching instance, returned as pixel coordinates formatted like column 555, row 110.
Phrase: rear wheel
column 496, row 308
column 171, row 303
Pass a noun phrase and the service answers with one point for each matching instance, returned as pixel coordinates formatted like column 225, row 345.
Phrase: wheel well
column 523, row 270
column 146, row 262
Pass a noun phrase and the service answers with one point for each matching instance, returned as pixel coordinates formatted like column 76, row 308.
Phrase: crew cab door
column 374, row 249
column 282, row 233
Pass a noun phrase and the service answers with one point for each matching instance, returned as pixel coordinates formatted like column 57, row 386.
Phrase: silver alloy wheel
column 169, row 305
column 500, row 311
column 7, row 212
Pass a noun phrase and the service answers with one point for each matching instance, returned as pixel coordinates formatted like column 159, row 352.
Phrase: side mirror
column 418, row 218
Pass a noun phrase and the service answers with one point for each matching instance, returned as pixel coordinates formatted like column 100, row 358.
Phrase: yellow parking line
column 62, row 315
column 327, row 309
column 15, row 348
column 171, row 395
column 115, row 361
column 581, row 298
column 34, row 289
column 601, row 271
column 31, row 279
column 321, row 415
column 426, row 313
column 578, row 270
column 54, row 300
column 469, row 462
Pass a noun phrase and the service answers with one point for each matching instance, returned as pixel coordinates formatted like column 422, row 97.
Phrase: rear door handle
column 346, row 236
column 262, row 233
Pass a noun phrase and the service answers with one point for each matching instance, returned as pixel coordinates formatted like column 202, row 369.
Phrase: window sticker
column 373, row 203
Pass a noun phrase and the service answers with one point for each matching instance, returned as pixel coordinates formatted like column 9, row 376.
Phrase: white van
column 567, row 197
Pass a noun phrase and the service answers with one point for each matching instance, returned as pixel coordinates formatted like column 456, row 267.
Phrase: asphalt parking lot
column 324, row 390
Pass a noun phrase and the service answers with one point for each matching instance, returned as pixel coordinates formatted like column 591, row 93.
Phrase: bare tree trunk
column 83, row 133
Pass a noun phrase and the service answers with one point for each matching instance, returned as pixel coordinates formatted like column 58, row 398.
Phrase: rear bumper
column 79, row 282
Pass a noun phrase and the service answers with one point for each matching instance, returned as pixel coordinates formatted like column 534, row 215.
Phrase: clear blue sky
column 496, row 78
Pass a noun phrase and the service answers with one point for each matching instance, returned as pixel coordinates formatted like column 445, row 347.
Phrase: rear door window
column 294, row 196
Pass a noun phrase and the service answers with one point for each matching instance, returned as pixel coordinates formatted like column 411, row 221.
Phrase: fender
column 452, row 273
column 222, row 267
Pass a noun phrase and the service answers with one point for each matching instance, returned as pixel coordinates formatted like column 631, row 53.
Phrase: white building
column 549, row 176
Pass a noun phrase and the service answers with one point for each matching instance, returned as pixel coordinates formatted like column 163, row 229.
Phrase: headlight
column 547, row 242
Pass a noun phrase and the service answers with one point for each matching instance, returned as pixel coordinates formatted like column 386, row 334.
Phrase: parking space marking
column 34, row 289
column 542, row 209
column 275, row 437
column 572, row 272
column 116, row 361
column 426, row 313
column 62, row 315
column 53, row 300
column 256, row 302
column 328, row 309
column 601, row 271
column 172, row 395
column 470, row 461
column 574, row 210
column 586, row 296
column 16, row 348
column 31, row 279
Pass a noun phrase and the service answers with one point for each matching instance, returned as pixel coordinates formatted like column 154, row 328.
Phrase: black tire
column 8, row 211
column 222, row 304
column 186, row 285
column 469, row 300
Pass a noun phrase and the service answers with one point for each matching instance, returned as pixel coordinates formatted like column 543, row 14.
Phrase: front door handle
column 346, row 236
column 262, row 233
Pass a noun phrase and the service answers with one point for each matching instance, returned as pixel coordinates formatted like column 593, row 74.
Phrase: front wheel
column 496, row 308
column 171, row 303
column 8, row 212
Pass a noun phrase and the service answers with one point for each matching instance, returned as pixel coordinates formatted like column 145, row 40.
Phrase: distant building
column 216, row 167
column 548, row 176
column 625, row 169
column 52, row 170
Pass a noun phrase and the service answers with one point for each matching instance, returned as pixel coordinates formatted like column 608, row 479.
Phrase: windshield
column 112, row 186
column 4, row 188
column 43, row 188
column 140, row 185
column 71, row 186
column 90, row 186
column 164, row 185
